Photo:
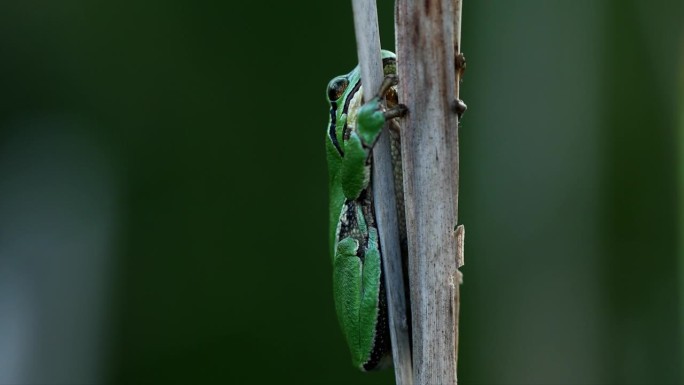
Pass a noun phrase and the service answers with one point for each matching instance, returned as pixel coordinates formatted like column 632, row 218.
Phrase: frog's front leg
column 369, row 122
column 372, row 116
column 356, row 285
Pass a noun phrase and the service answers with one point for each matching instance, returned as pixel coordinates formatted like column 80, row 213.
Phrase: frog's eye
column 336, row 88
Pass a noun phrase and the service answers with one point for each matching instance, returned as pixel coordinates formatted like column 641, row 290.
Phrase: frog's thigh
column 347, row 274
column 370, row 288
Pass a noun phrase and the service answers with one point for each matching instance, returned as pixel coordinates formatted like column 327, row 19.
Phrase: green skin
column 357, row 268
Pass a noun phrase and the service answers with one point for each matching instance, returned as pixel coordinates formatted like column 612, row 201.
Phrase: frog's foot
column 397, row 111
column 388, row 82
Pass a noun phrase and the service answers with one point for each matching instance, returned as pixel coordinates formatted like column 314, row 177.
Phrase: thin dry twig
column 368, row 43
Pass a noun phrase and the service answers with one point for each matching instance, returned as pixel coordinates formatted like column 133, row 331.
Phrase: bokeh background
column 163, row 192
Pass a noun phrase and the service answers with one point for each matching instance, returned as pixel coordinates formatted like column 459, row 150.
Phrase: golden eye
column 336, row 88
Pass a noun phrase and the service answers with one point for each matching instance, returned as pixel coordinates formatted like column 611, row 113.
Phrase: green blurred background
column 163, row 192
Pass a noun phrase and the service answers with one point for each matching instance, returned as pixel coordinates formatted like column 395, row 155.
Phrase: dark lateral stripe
column 350, row 96
column 331, row 129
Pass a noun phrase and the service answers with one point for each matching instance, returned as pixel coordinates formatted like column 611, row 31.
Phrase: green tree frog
column 358, row 282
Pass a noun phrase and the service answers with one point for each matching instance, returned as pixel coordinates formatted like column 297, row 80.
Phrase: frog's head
column 342, row 90
column 345, row 96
